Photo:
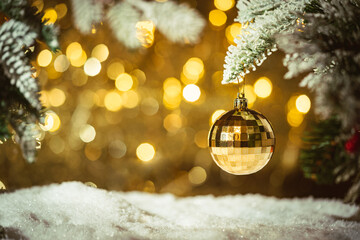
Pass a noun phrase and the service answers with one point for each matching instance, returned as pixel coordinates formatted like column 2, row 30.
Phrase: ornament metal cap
column 240, row 102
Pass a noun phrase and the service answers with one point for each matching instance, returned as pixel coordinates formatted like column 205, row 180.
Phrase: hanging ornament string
column 241, row 95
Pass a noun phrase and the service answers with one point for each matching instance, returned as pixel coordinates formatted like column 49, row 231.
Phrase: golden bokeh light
column 61, row 63
column 250, row 95
column 303, row 103
column 191, row 93
column 92, row 67
column 145, row 32
column 140, row 75
column 76, row 54
column 197, row 175
column 79, row 78
column 291, row 102
column 172, row 87
column 172, row 122
column 172, row 93
column 149, row 106
column 115, row 69
column 295, row 118
column 193, row 70
column 90, row 184
column 61, row 10
column 100, row 52
column 38, row 4
column 44, row 58
column 232, row 32
column 216, row 115
column 92, row 152
column 56, row 144
column 52, row 73
column 124, row 82
column 87, row 133
column 130, row 99
column 113, row 101
column 56, row 97
column 2, row 186
column 145, row 152
column 263, row 87
column 171, row 103
column 99, row 97
column 217, row 18
column 149, row 186
column 50, row 16
column 79, row 61
column 117, row 149
column 224, row 5
column 200, row 138
column 52, row 122
column 74, row 51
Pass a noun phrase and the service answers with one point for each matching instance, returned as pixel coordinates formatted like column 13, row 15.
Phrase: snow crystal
column 72, row 210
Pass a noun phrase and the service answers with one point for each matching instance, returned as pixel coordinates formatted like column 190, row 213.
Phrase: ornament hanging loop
column 240, row 102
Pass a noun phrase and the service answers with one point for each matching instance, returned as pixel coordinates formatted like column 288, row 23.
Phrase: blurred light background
column 139, row 120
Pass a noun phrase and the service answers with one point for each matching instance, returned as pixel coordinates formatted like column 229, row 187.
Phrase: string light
column 100, row 52
column 263, row 87
column 113, row 101
column 56, row 97
column 232, row 32
column 124, row 82
column 51, row 123
column 295, row 118
column 114, row 70
column 197, row 175
column 193, row 70
column 50, row 16
column 217, row 18
column 191, row 93
column 92, row 67
column 87, row 133
column 224, row 5
column 61, row 63
column 303, row 103
column 145, row 152
column 44, row 58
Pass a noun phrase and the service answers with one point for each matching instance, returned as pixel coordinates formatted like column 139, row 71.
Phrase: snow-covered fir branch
column 327, row 48
column 122, row 20
column 20, row 106
column 87, row 13
column 178, row 22
column 260, row 20
column 15, row 35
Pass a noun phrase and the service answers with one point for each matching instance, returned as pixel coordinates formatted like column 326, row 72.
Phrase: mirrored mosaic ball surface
column 241, row 141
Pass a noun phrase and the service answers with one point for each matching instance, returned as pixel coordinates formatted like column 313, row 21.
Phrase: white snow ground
column 72, row 210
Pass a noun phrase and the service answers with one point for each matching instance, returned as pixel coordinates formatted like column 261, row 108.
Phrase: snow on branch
column 327, row 49
column 260, row 20
column 15, row 35
column 177, row 22
column 122, row 19
column 87, row 13
column 20, row 106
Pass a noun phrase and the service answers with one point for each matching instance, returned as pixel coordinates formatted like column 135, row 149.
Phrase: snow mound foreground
column 72, row 210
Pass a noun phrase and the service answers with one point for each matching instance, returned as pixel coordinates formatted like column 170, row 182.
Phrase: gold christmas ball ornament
column 241, row 141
